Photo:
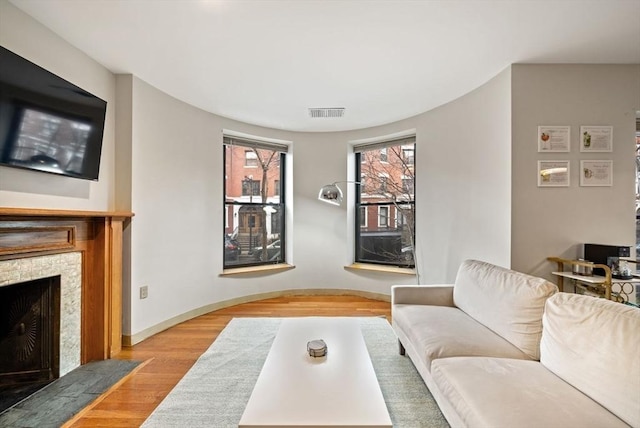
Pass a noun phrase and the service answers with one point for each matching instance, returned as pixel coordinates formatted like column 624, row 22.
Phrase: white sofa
column 503, row 349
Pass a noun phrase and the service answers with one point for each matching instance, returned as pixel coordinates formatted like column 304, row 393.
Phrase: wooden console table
column 97, row 235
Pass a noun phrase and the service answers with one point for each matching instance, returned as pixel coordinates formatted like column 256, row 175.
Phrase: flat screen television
column 47, row 123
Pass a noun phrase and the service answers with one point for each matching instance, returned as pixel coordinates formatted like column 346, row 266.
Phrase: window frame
column 251, row 205
column 250, row 159
column 364, row 222
column 408, row 189
column 399, row 218
column 386, row 217
column 410, row 159
column 409, row 201
column 384, row 156
column 255, row 186
column 383, row 178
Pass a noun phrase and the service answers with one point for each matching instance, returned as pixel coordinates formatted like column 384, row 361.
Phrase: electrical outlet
column 144, row 291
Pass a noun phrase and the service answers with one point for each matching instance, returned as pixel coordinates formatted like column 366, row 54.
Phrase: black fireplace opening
column 29, row 338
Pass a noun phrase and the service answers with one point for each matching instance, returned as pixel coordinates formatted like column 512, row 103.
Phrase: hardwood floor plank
column 173, row 352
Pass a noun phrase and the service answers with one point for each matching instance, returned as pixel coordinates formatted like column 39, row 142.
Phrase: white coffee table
column 296, row 390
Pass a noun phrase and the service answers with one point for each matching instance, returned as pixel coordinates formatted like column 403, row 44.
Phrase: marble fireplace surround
column 85, row 249
column 69, row 267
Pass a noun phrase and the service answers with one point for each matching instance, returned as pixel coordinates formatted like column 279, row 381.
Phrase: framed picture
column 596, row 138
column 553, row 173
column 596, row 173
column 554, row 138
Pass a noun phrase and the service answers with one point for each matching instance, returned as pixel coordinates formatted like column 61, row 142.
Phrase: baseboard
column 148, row 332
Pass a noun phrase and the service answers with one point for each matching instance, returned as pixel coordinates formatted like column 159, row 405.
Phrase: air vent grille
column 326, row 112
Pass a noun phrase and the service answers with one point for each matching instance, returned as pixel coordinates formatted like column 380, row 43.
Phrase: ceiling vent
column 326, row 112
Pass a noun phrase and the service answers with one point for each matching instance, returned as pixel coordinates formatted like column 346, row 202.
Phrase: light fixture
column 331, row 193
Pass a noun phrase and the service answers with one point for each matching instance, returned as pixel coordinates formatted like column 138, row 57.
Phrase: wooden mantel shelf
column 97, row 235
column 37, row 212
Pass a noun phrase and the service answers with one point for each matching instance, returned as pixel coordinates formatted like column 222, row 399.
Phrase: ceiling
column 267, row 62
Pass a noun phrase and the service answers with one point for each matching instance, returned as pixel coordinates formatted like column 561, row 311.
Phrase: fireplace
column 30, row 332
column 84, row 248
column 61, row 274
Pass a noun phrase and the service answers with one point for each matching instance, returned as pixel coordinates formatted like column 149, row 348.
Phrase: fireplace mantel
column 97, row 235
column 38, row 212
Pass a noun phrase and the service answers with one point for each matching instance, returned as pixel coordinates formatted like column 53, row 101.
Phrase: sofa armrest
column 435, row 295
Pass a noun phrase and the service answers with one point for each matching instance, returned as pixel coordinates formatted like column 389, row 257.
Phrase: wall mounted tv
column 47, row 123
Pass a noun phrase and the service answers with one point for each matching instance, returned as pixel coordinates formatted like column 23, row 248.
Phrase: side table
column 619, row 290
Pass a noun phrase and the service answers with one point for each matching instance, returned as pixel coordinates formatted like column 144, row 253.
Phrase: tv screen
column 47, row 123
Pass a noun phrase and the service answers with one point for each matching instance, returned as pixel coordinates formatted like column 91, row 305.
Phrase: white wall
column 177, row 195
column 463, row 193
column 557, row 221
column 462, row 165
column 176, row 203
column 124, row 142
column 28, row 189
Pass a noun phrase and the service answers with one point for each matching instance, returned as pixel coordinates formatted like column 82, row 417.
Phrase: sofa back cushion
column 594, row 345
column 509, row 303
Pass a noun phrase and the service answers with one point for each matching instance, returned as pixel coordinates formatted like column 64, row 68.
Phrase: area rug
column 216, row 390
column 62, row 399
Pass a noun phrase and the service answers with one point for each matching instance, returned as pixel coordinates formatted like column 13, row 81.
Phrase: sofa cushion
column 508, row 302
column 443, row 331
column 506, row 393
column 594, row 345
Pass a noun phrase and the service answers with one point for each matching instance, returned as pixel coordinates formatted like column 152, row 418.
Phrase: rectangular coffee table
column 297, row 390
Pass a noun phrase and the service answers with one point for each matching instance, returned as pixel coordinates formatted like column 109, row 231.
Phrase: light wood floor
column 170, row 354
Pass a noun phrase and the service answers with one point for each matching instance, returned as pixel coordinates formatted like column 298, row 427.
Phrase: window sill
column 381, row 268
column 257, row 269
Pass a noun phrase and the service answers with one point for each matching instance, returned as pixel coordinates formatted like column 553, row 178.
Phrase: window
column 390, row 182
column 363, row 216
column 250, row 187
column 383, row 217
column 404, row 213
column 383, row 180
column 250, row 159
column 254, row 202
column 400, row 217
column 407, row 184
column 407, row 153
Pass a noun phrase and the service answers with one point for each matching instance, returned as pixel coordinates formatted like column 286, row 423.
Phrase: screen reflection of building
column 48, row 142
